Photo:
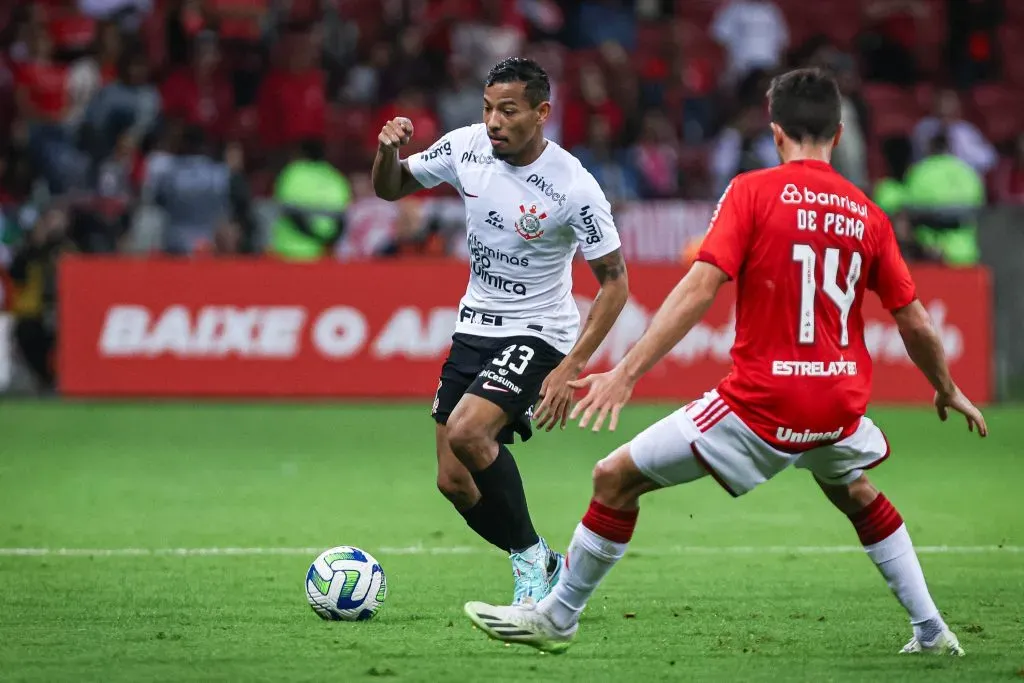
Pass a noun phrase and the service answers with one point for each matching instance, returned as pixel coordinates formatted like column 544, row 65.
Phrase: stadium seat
column 894, row 110
column 1000, row 111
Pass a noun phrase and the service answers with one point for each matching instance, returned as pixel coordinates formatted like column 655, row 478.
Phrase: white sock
column 590, row 557
column 896, row 559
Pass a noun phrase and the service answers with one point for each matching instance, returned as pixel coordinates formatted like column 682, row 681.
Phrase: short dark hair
column 526, row 71
column 805, row 103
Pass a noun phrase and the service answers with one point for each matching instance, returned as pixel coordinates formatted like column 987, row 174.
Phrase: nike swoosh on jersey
column 474, row 196
column 494, row 387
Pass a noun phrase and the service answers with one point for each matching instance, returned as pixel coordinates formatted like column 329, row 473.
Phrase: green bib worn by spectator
column 890, row 195
column 944, row 182
column 312, row 184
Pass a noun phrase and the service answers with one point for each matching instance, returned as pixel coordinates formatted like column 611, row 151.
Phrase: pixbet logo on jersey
column 528, row 225
column 547, row 187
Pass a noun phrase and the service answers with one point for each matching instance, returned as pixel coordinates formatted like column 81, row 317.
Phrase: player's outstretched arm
column 610, row 271
column 392, row 178
column 681, row 310
column 925, row 349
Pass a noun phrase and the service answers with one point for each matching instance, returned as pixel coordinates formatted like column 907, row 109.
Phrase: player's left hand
column 556, row 396
column 609, row 392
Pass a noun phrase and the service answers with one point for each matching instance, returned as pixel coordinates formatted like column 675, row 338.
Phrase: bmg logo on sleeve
column 593, row 230
column 437, row 150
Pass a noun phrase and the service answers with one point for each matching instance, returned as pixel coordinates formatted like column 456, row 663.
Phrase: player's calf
column 887, row 542
column 458, row 487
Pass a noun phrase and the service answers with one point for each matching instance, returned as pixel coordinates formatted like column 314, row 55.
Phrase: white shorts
column 707, row 437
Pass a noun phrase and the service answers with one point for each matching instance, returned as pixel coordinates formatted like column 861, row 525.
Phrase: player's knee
column 852, row 497
column 469, row 442
column 457, row 487
column 617, row 482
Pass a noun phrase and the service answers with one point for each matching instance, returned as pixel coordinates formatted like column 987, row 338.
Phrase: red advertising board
column 261, row 328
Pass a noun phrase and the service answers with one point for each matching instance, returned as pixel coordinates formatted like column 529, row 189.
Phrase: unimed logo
column 271, row 332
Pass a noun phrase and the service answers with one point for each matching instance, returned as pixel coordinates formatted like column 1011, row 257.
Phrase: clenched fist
column 395, row 133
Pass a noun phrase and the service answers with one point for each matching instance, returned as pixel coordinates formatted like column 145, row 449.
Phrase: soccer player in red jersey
column 803, row 245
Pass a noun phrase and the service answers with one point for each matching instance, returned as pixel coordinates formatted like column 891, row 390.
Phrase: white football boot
column 945, row 643
column 520, row 624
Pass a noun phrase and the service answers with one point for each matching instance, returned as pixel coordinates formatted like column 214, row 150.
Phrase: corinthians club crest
column 528, row 225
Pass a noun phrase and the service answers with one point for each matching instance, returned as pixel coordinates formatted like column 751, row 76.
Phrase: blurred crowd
column 211, row 127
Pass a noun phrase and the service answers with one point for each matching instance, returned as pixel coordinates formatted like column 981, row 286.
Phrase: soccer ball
column 346, row 584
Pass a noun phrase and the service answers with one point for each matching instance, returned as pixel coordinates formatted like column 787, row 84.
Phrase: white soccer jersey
column 523, row 224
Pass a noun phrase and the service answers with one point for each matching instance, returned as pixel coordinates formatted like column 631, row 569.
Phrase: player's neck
column 808, row 152
column 530, row 153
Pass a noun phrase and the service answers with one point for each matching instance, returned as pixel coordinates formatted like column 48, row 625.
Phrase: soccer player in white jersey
column 529, row 204
column 804, row 245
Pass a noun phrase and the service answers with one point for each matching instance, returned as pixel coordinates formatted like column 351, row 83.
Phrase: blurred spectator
column 973, row 48
column 889, row 40
column 1008, row 178
column 34, row 273
column 369, row 221
column 623, row 89
column 126, row 12
column 850, row 156
column 362, row 85
column 605, row 21
column 194, row 191
column 656, row 157
column 417, row 233
column 103, row 217
column 129, row 103
column 71, row 30
column 965, row 140
column 311, row 196
column 41, row 82
column 495, row 32
column 746, row 145
column 460, row 101
column 753, row 33
column 42, row 105
column 408, row 66
column 890, row 194
column 91, row 72
column 199, row 94
column 412, row 103
column 184, row 20
column 292, row 100
column 943, row 195
column 594, row 102
column 612, row 168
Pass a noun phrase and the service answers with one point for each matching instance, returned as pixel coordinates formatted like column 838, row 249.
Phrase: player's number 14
column 806, row 257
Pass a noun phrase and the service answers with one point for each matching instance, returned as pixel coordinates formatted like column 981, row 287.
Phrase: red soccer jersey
column 803, row 244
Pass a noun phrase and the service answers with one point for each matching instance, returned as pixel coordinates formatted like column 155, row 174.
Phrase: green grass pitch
column 768, row 587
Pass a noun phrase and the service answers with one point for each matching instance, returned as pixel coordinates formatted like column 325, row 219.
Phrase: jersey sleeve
column 436, row 164
column 592, row 220
column 890, row 277
column 727, row 240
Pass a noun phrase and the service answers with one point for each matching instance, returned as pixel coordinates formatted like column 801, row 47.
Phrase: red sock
column 877, row 521
column 615, row 525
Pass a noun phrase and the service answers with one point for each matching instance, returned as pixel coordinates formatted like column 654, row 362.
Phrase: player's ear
column 839, row 134
column 543, row 111
column 777, row 134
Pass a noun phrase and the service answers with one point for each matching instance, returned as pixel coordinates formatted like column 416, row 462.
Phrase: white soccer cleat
column 521, row 624
column 945, row 643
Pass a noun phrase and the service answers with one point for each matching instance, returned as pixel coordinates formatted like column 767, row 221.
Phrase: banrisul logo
column 529, row 225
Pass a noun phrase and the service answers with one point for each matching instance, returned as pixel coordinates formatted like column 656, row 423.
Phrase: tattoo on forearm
column 609, row 267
